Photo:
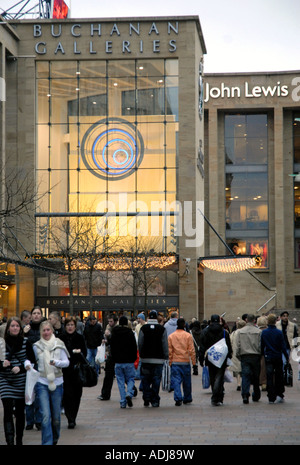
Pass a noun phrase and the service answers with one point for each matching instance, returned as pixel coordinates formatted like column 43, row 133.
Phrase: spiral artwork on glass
column 112, row 148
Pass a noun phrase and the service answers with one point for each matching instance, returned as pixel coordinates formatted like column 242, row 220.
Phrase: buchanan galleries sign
column 106, row 38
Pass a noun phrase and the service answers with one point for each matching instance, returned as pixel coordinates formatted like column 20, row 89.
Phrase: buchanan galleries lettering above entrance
column 108, row 302
column 103, row 36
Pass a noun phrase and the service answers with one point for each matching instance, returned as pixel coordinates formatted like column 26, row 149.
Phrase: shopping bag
column 217, row 353
column 101, row 354
column 288, row 375
column 166, row 376
column 31, row 379
column 228, row 376
column 205, row 378
column 85, row 373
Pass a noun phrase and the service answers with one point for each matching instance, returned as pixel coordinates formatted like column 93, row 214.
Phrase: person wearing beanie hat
column 153, row 350
column 181, row 354
column 210, row 336
column 124, row 353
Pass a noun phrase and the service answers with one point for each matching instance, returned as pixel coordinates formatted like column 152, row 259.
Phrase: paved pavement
column 104, row 423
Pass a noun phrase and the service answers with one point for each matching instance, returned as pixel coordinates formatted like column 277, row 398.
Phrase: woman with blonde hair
column 236, row 367
column 52, row 356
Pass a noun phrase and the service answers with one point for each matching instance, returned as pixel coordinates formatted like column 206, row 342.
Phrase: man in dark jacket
column 93, row 335
column 124, row 353
column 154, row 350
column 209, row 336
column 273, row 346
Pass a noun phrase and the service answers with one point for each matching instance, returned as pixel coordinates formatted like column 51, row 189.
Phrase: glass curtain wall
column 296, row 143
column 107, row 143
column 246, row 152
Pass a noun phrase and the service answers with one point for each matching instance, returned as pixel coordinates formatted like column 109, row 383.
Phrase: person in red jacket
column 181, row 354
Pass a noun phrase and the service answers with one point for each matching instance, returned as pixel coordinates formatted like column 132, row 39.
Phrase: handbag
column 217, row 353
column 166, row 376
column 32, row 377
column 288, row 375
column 205, row 378
column 101, row 354
column 85, row 373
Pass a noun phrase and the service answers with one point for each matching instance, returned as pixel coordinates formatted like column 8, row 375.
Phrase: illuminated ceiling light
column 230, row 264
column 3, row 287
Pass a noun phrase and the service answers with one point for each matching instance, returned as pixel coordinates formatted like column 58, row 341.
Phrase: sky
column 240, row 36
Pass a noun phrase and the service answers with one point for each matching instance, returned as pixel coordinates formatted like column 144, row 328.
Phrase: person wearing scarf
column 52, row 357
column 16, row 356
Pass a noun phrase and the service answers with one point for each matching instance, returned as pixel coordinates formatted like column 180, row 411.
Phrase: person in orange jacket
column 181, row 354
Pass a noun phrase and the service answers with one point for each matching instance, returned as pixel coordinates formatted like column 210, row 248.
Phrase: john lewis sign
column 253, row 91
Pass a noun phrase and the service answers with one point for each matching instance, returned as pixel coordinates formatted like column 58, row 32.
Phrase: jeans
column 151, row 374
column 250, row 375
column 33, row 414
column 216, row 376
column 275, row 380
column 181, row 375
column 125, row 375
column 91, row 355
column 50, row 404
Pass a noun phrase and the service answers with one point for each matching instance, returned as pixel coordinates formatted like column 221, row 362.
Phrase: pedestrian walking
column 93, row 335
column 273, row 347
column 248, row 350
column 181, row 355
column 76, row 347
column 109, row 370
column 52, row 357
column 124, row 353
column 153, row 349
column 236, row 366
column 210, row 336
column 18, row 357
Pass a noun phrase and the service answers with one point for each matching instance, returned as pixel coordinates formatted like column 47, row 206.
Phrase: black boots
column 9, row 431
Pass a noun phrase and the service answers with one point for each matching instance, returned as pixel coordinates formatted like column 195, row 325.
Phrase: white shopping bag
column 101, row 355
column 217, row 353
column 31, row 379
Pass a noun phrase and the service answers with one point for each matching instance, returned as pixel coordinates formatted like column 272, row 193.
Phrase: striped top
column 13, row 385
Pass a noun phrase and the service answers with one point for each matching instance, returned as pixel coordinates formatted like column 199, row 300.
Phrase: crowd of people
column 149, row 349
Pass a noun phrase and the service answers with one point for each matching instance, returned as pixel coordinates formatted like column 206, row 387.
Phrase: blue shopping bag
column 205, row 378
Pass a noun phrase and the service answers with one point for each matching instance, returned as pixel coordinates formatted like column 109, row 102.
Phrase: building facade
column 126, row 144
column 251, row 189
column 109, row 127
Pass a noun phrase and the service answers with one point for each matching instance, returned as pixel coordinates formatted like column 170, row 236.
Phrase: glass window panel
column 90, row 183
column 42, row 147
column 297, row 204
column 62, row 90
column 121, row 68
column 58, row 69
column 171, row 180
column 92, row 68
column 59, row 145
column 171, row 67
column 59, row 191
column 246, row 201
column 172, row 97
column 116, row 88
column 251, row 247
column 296, row 149
column 43, row 190
column 148, row 68
column 246, row 139
column 42, row 69
column 43, row 101
column 151, row 180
